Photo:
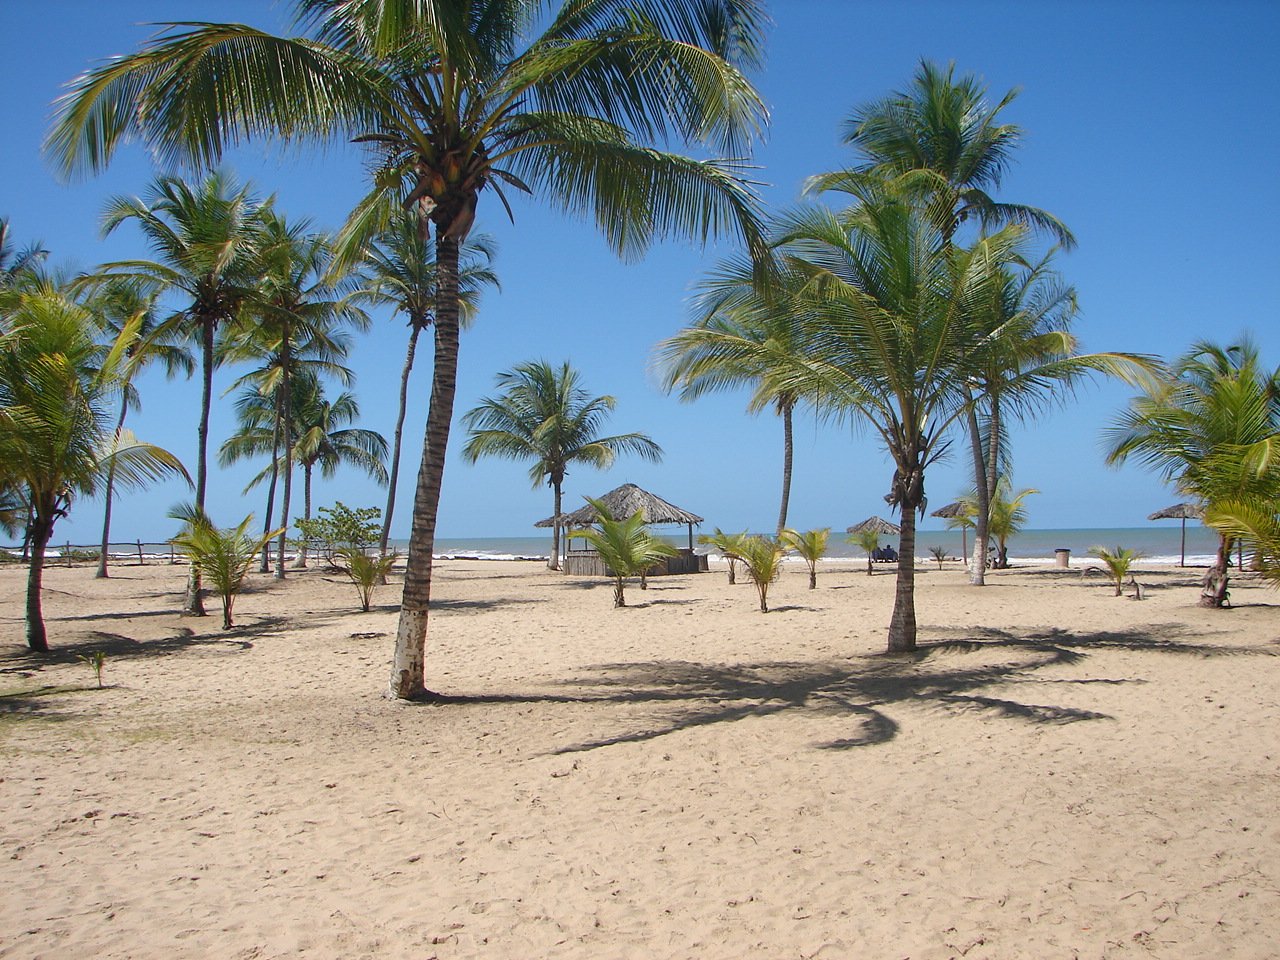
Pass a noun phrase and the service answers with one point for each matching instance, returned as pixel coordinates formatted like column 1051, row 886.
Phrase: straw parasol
column 1184, row 512
column 878, row 524
column 952, row 510
column 623, row 502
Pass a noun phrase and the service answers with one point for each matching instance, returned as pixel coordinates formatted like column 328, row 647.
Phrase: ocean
column 1158, row 543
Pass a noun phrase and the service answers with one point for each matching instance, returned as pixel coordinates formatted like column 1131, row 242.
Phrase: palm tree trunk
column 555, row 529
column 619, row 596
column 786, row 410
column 286, row 422
column 907, row 494
column 41, row 531
column 106, row 507
column 408, row 660
column 301, row 562
column 902, row 625
column 1213, row 592
column 981, row 536
column 193, row 605
column 265, row 565
column 414, row 330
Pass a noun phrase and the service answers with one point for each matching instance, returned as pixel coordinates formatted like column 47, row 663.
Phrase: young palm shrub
column 868, row 540
column 730, row 547
column 762, row 559
column 223, row 557
column 366, row 572
column 1118, row 562
column 939, row 554
column 811, row 545
column 627, row 547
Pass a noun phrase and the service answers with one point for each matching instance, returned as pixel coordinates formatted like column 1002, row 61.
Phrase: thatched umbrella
column 952, row 510
column 878, row 524
column 1183, row 512
column 623, row 502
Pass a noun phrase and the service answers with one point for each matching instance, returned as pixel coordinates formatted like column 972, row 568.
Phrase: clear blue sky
column 1151, row 130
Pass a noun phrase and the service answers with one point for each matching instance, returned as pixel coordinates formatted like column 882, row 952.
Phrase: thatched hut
column 623, row 502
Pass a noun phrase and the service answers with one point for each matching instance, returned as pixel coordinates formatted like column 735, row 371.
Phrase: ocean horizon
column 1155, row 544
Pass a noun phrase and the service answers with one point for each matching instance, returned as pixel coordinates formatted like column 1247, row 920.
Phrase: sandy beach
column 1057, row 773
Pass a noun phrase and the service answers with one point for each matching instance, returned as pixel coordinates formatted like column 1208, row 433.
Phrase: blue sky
column 1151, row 130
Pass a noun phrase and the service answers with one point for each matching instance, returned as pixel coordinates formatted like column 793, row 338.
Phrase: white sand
column 1059, row 773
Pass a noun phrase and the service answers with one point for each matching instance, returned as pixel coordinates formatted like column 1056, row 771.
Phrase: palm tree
column 400, row 270
column 294, row 312
column 730, row 547
column 116, row 305
column 324, row 439
column 747, row 323
column 203, row 238
column 455, row 100
column 545, row 415
column 811, row 545
column 626, row 547
column 1211, row 428
column 1007, row 515
column 940, row 143
column 762, row 559
column 260, row 403
column 891, row 341
column 58, row 387
column 1118, row 562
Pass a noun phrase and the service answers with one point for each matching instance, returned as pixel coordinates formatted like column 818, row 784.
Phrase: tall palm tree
column 58, row 386
column 400, row 270
column 748, row 322
column 455, row 99
column 545, row 415
column 203, row 238
column 296, row 310
column 324, row 439
column 1212, row 428
column 115, row 306
column 941, row 142
column 891, row 341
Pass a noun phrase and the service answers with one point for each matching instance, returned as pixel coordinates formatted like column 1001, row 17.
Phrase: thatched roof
column 952, row 510
column 1179, row 511
column 878, row 524
column 622, row 503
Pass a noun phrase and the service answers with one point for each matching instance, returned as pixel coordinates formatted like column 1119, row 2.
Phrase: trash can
column 1062, row 557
